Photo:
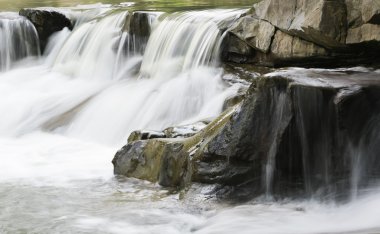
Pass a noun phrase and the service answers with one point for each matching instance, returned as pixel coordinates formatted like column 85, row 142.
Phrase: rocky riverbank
column 306, row 33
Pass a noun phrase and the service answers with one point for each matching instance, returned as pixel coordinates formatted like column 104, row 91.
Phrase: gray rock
column 363, row 11
column 286, row 47
column 321, row 21
column 364, row 33
column 236, row 50
column 256, row 33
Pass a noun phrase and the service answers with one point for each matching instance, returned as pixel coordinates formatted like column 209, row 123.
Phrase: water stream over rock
column 65, row 112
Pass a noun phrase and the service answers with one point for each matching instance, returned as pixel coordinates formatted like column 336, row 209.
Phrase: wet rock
column 185, row 131
column 297, row 132
column 46, row 22
column 166, row 161
column 137, row 27
column 145, row 135
column 234, row 100
column 156, row 160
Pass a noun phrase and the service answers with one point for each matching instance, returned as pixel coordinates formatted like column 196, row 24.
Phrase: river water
column 66, row 112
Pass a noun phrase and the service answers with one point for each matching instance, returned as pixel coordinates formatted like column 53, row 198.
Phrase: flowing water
column 65, row 113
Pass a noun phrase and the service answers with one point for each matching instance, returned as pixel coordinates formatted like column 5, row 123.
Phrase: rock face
column 309, row 33
column 303, row 132
column 46, row 22
column 257, row 33
column 320, row 21
column 285, row 47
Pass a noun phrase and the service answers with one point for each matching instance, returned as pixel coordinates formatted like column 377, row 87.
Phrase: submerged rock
column 46, row 22
column 303, row 132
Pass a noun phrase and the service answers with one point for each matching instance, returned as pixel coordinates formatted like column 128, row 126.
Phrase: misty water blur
column 65, row 113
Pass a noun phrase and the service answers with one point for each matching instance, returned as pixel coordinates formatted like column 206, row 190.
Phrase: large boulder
column 304, row 132
column 320, row 21
column 46, row 22
column 306, row 33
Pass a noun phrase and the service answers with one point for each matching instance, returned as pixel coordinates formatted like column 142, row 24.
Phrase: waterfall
column 89, row 52
column 185, row 41
column 157, row 103
column 66, row 112
column 18, row 39
column 89, row 84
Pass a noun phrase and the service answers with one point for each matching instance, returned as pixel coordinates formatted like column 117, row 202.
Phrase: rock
column 354, row 13
column 46, row 22
column 361, row 12
column 322, row 22
column 286, row 47
column 306, row 33
column 298, row 132
column 256, row 33
column 236, row 50
column 138, row 26
column 166, row 161
column 156, row 160
column 363, row 34
column 185, row 131
column 145, row 135
column 234, row 100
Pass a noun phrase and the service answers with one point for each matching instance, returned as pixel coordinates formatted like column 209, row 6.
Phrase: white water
column 18, row 39
column 63, row 117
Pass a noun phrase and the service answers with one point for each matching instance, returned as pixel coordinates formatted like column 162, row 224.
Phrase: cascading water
column 64, row 115
column 18, row 39
column 184, row 41
column 148, row 103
